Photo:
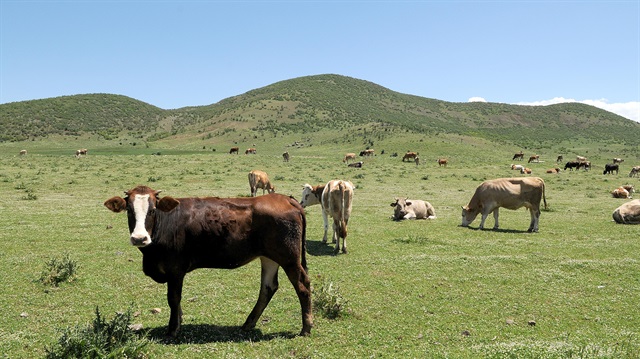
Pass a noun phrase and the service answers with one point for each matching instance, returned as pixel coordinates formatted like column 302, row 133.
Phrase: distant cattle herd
column 178, row 235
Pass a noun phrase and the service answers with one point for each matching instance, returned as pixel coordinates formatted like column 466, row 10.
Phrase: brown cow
column 628, row 213
column 80, row 152
column 442, row 162
column 178, row 235
column 367, row 153
column 559, row 159
column 534, row 158
column 518, row 156
column 526, row 170
column 335, row 198
column 410, row 156
column 286, row 156
column 250, row 151
column 510, row 193
column 621, row 192
column 260, row 179
column 553, row 170
column 23, row 152
column 349, row 156
column 235, row 150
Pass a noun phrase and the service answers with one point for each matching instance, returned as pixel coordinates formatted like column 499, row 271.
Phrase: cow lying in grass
column 412, row 209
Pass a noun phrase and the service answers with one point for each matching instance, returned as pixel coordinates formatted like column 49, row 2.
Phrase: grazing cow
column 80, row 152
column 585, row 164
column 534, row 158
column 526, row 170
column 442, row 162
column 355, row 164
column 510, row 193
column 517, row 167
column 178, row 235
column 618, row 160
column 260, row 179
column 410, row 156
column 559, row 159
column 581, row 158
column 251, row 151
column 553, row 170
column 571, row 165
column 621, row 192
column 235, row 150
column 349, row 156
column 634, row 171
column 286, row 156
column 628, row 213
column 412, row 209
column 417, row 160
column 609, row 168
column 518, row 156
column 367, row 152
column 335, row 198
column 23, row 152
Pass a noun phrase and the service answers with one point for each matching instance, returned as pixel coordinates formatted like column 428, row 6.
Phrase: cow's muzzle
column 140, row 241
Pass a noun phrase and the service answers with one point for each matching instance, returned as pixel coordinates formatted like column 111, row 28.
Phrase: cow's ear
column 167, row 204
column 407, row 203
column 116, row 204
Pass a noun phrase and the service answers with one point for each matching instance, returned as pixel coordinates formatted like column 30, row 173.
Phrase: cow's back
column 511, row 193
column 628, row 213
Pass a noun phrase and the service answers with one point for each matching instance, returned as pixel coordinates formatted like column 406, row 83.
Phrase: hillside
column 308, row 104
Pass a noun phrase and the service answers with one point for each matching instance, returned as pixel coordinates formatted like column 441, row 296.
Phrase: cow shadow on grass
column 209, row 333
column 499, row 230
column 317, row 248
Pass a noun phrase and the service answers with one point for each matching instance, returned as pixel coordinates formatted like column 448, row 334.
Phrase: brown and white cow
column 260, row 179
column 250, row 151
column 534, row 158
column 367, row 153
column 518, row 156
column 356, row 164
column 634, row 171
column 442, row 162
column 517, row 167
column 584, row 164
column 628, row 213
column 178, row 235
column 618, row 160
column 410, row 156
column 526, row 170
column 580, row 158
column 553, row 170
column 233, row 150
column 286, row 157
column 349, row 156
column 335, row 199
column 412, row 209
column 80, row 152
column 621, row 192
column 23, row 152
column 510, row 193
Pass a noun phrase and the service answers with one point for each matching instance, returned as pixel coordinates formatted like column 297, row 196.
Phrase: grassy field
column 412, row 289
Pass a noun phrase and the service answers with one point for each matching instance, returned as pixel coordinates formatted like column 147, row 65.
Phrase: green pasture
column 413, row 289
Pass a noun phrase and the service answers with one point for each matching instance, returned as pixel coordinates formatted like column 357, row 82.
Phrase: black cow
column 178, row 235
column 571, row 165
column 609, row 168
column 356, row 164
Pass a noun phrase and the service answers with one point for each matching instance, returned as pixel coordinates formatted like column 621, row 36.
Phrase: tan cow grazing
column 580, row 158
column 260, row 179
column 23, row 152
column 412, row 209
column 628, row 213
column 618, row 160
column 251, row 151
column 534, row 158
column 510, row 193
column 335, row 198
column 410, row 156
column 634, row 171
column 349, row 156
column 621, row 192
column 553, row 170
column 442, row 162
column 233, row 150
column 286, row 156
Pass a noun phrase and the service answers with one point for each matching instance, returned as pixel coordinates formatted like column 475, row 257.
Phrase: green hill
column 307, row 104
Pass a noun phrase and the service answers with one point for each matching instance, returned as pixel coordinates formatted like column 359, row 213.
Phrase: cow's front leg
column 174, row 296
column 496, row 214
column 484, row 214
column 326, row 226
column 268, row 287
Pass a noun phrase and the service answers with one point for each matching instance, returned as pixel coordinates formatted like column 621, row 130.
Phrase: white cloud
column 477, row 99
column 630, row 110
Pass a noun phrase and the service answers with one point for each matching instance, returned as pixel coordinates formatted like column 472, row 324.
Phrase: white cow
column 412, row 209
column 628, row 213
column 510, row 193
column 335, row 198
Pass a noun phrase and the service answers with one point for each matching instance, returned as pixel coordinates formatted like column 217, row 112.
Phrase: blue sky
column 173, row 54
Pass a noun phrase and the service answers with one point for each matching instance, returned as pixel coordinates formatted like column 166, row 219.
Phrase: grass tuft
column 58, row 270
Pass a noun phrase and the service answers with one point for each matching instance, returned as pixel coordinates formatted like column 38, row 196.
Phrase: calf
column 412, row 209
column 178, row 235
column 260, row 179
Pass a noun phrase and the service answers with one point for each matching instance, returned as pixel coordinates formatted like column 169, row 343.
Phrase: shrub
column 101, row 339
column 58, row 270
column 327, row 299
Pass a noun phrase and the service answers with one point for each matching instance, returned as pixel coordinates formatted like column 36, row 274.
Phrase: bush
column 327, row 299
column 101, row 339
column 58, row 270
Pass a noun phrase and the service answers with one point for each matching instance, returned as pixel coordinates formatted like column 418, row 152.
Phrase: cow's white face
column 308, row 197
column 468, row 216
column 400, row 208
column 140, row 236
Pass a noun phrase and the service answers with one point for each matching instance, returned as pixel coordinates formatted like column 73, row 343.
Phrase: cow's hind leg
column 268, row 287
column 326, row 225
column 496, row 214
column 300, row 280
column 535, row 219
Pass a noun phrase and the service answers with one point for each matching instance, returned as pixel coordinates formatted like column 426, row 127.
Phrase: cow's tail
column 544, row 198
column 344, row 204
